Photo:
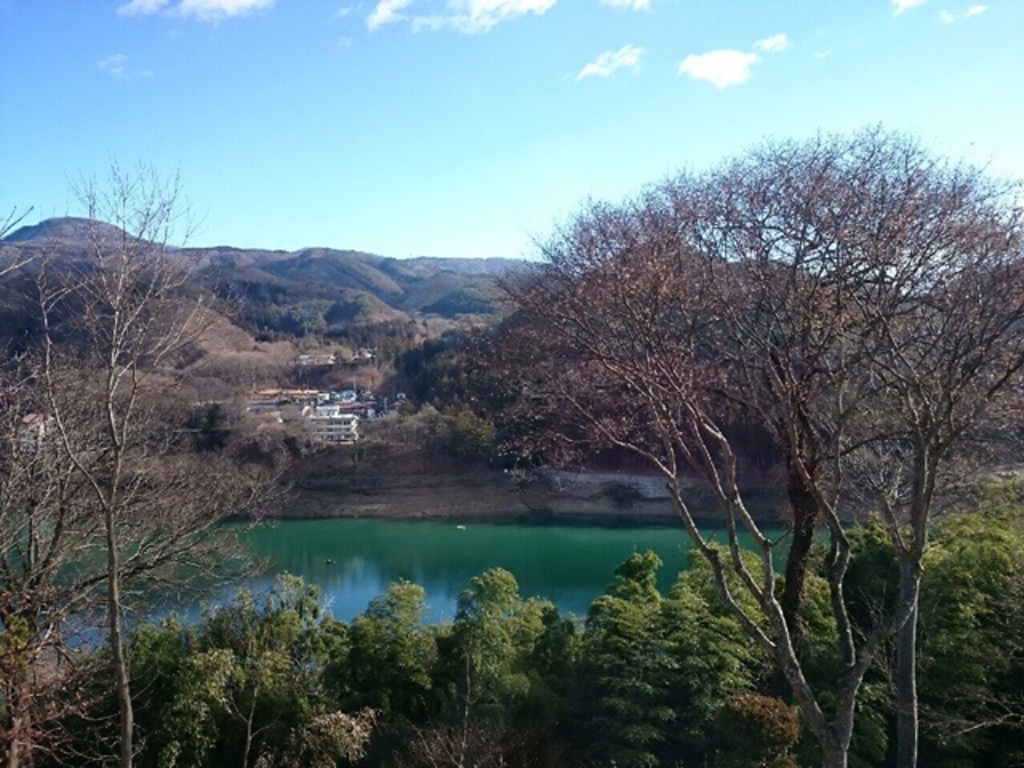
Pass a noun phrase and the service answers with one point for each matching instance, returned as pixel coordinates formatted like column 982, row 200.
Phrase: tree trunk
column 833, row 755
column 906, row 667
column 15, row 746
column 117, row 649
column 833, row 738
column 805, row 515
column 13, row 705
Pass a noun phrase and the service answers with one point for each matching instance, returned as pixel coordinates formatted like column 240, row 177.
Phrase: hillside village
column 329, row 416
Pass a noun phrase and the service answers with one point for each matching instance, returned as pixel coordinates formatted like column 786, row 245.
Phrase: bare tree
column 43, row 529
column 942, row 295
column 855, row 297
column 882, row 285
column 117, row 323
column 7, row 225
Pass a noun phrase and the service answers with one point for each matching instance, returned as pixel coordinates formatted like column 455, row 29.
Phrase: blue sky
column 471, row 127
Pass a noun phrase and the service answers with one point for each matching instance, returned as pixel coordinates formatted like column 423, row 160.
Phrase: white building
column 35, row 428
column 321, row 359
column 330, row 424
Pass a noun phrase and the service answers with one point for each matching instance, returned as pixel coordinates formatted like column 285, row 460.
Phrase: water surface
column 355, row 560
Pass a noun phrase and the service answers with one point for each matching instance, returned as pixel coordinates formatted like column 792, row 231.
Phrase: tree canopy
column 856, row 297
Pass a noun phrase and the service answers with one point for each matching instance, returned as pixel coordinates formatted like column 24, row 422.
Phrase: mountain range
column 322, row 290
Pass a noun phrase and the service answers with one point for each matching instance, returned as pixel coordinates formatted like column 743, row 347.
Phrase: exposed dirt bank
column 367, row 481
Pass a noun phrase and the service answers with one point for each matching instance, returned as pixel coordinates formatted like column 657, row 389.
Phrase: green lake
column 355, row 560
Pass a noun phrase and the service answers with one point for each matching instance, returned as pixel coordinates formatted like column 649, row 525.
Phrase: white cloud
column 610, row 61
column 774, row 44
column 721, row 68
column 387, row 12
column 202, row 10
column 480, row 15
column 141, row 7
column 899, row 6
column 116, row 65
column 469, row 16
column 215, row 10
column 628, row 5
column 947, row 17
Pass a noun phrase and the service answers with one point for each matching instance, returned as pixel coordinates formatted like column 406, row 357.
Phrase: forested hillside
column 314, row 291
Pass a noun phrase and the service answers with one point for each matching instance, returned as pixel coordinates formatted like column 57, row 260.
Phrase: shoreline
column 413, row 487
column 582, row 520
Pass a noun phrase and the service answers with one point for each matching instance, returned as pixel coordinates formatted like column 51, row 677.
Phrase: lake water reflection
column 355, row 560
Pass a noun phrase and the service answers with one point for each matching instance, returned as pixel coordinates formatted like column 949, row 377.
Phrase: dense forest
column 644, row 679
